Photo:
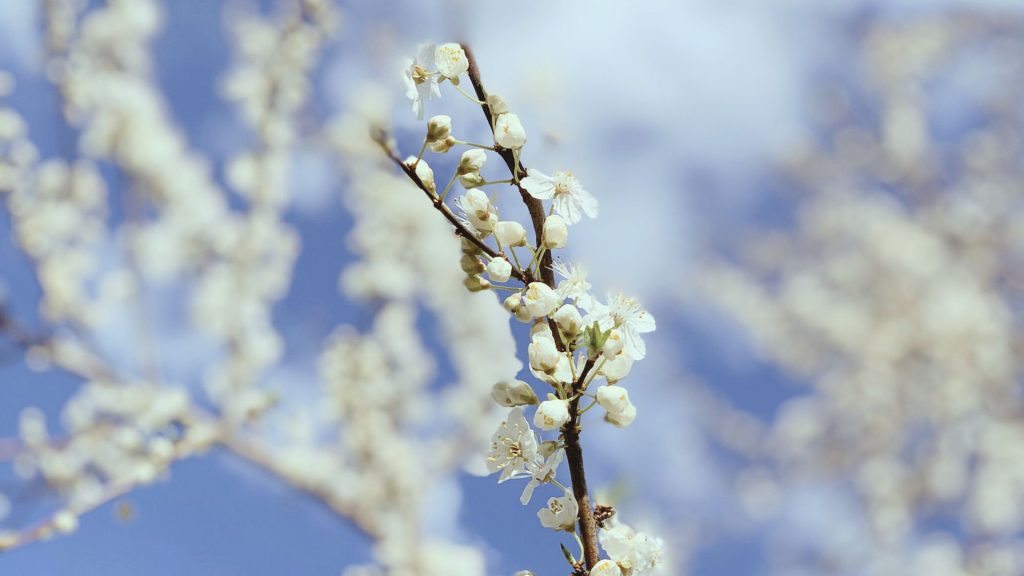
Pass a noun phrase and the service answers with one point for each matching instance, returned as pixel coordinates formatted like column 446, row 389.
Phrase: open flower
column 451, row 61
column 635, row 552
column 575, row 285
column 626, row 314
column 560, row 513
column 420, row 81
column 543, row 475
column 513, row 448
column 568, row 198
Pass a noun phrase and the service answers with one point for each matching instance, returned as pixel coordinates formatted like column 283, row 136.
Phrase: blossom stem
column 583, row 551
column 543, row 253
column 468, row 95
column 474, row 145
column 448, row 187
column 420, row 155
column 515, row 258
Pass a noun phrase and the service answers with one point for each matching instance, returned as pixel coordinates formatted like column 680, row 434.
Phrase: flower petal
column 538, row 184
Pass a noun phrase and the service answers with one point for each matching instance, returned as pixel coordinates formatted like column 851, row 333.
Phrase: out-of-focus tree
column 897, row 299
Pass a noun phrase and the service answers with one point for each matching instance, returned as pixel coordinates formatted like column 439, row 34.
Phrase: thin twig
column 523, row 276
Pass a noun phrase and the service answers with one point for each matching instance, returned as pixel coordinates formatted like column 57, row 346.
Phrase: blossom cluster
column 575, row 337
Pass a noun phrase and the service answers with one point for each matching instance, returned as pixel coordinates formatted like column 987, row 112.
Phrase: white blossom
column 560, row 513
column 625, row 314
column 451, row 61
column 510, row 233
column 555, row 232
column 574, row 284
column 420, row 82
column 479, row 212
column 606, row 568
column 568, row 198
column 543, row 475
column 499, row 269
column 614, row 399
column 636, row 553
column 543, row 354
column 514, row 393
column 423, row 172
column 497, row 104
column 439, row 134
column 569, row 320
column 509, row 132
column 617, row 368
column 513, row 447
column 613, row 345
column 540, row 299
column 551, row 414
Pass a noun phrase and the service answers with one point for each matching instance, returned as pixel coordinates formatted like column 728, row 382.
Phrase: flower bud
column 468, row 247
column 551, row 413
column 569, row 320
column 476, row 201
column 499, row 269
column 471, row 161
column 442, row 146
column 438, row 128
column 540, row 329
column 547, row 448
column 497, row 104
column 523, row 314
column 423, row 172
column 476, row 283
column 451, row 61
column 470, row 181
column 471, row 264
column 617, row 369
column 606, row 568
column 512, row 302
column 543, row 354
column 510, row 233
column 509, row 132
column 614, row 399
column 613, row 345
column 540, row 299
column 556, row 232
column 622, row 419
column 514, row 393
column 479, row 210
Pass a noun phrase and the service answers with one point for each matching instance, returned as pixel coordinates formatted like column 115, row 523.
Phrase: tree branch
column 571, row 431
